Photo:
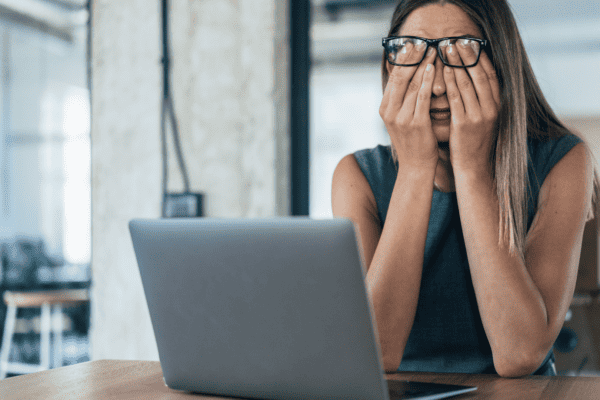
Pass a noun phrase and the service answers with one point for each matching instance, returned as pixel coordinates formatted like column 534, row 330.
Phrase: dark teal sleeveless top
column 447, row 334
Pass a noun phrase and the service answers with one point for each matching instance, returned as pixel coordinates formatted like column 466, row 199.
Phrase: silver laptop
column 264, row 308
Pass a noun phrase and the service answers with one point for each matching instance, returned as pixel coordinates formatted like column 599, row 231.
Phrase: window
column 45, row 146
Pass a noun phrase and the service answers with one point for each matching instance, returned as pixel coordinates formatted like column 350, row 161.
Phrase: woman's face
column 436, row 21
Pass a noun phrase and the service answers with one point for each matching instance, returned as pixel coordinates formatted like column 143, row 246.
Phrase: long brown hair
column 524, row 110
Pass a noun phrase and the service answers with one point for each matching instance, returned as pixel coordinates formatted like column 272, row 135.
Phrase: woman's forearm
column 512, row 309
column 394, row 275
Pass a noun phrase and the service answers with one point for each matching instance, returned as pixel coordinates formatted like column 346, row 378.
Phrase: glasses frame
column 432, row 42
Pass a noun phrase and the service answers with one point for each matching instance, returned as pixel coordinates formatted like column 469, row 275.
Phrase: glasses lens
column 463, row 52
column 406, row 51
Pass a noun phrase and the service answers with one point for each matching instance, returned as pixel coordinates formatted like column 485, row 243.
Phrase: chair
column 50, row 303
column 578, row 342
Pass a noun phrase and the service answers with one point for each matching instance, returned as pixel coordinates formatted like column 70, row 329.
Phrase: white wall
column 230, row 85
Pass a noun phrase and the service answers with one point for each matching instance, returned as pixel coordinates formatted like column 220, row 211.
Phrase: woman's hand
column 405, row 112
column 474, row 98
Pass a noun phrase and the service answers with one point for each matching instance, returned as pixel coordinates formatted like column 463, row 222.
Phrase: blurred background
column 45, row 163
column 51, row 49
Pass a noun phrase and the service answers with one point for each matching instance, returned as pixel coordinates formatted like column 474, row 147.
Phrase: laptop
column 265, row 308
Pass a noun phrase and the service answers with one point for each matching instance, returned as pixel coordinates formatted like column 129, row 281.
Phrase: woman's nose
column 439, row 86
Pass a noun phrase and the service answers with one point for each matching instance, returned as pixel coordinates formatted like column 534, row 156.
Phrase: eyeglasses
column 407, row 51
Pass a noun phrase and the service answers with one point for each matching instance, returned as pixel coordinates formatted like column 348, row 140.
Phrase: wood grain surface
column 112, row 379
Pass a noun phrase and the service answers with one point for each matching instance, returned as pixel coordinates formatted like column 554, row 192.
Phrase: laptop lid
column 271, row 308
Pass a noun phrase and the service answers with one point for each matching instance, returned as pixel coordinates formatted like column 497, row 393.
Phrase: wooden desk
column 143, row 380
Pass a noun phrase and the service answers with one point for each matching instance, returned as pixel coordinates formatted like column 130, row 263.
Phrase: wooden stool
column 43, row 300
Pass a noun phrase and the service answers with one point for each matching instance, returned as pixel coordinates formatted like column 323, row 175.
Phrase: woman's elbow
column 390, row 363
column 518, row 364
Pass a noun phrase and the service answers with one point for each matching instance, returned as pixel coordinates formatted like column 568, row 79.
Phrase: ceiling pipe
column 59, row 20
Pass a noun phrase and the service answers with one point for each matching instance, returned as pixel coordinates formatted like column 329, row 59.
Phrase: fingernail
column 430, row 51
column 428, row 68
column 450, row 49
column 464, row 42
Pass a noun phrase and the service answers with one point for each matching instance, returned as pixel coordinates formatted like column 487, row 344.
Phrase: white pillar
column 231, row 97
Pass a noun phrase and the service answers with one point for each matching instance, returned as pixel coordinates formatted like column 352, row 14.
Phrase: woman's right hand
column 405, row 112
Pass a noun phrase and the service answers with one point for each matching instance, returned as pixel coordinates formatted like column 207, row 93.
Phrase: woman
column 471, row 222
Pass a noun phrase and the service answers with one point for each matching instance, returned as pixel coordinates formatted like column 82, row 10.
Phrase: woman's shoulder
column 350, row 192
column 544, row 154
column 377, row 153
column 368, row 174
column 375, row 163
column 572, row 170
column 547, row 151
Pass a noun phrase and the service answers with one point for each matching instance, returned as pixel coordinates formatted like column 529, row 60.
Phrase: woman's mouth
column 439, row 114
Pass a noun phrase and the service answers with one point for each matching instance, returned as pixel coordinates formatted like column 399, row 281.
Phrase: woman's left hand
column 474, row 98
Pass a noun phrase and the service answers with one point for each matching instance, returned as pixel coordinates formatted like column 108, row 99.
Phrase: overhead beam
column 44, row 16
